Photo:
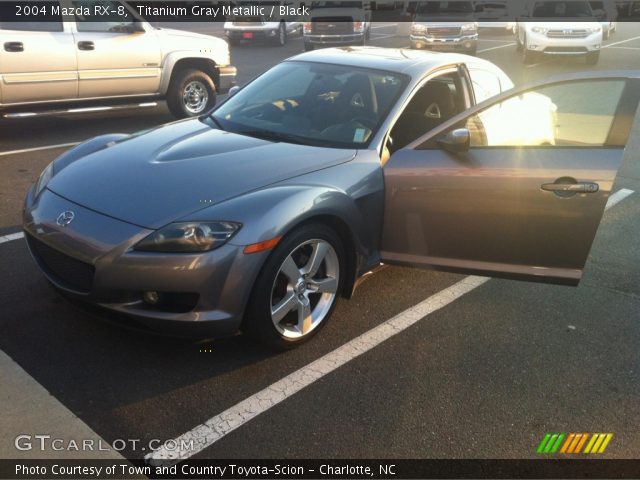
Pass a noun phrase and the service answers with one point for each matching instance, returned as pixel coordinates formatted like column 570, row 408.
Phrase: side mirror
column 455, row 141
column 233, row 90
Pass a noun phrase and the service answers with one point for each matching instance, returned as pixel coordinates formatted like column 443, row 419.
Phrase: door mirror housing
column 455, row 141
column 130, row 28
column 233, row 90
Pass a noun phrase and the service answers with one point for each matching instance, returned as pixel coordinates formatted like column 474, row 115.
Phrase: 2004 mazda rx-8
column 258, row 215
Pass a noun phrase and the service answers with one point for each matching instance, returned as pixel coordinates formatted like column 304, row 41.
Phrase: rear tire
column 284, row 311
column 191, row 93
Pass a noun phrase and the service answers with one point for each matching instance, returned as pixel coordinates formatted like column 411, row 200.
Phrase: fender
column 86, row 148
column 274, row 211
column 174, row 57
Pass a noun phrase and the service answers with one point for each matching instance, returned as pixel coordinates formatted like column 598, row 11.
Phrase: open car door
column 516, row 186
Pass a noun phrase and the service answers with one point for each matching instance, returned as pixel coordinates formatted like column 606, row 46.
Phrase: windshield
column 555, row 9
column 441, row 8
column 313, row 104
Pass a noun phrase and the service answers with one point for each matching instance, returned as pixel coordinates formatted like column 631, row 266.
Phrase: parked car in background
column 567, row 28
column 606, row 13
column 495, row 14
column 264, row 28
column 337, row 22
column 58, row 63
column 445, row 26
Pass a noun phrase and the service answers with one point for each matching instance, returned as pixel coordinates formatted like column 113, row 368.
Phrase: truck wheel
column 592, row 58
column 191, row 93
column 281, row 37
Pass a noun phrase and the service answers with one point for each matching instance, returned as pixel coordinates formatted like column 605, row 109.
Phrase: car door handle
column 585, row 187
column 86, row 45
column 14, row 47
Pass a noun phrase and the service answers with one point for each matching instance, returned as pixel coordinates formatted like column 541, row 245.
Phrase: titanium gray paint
column 121, row 188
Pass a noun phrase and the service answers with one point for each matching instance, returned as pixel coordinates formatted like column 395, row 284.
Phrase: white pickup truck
column 84, row 61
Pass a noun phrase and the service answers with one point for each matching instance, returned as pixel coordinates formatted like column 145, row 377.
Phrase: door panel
column 112, row 62
column 486, row 210
column 24, row 76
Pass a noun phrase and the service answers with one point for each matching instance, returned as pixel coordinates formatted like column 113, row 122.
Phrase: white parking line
column 381, row 36
column 620, row 42
column 36, row 149
column 618, row 197
column 625, row 48
column 496, row 48
column 215, row 428
column 11, row 237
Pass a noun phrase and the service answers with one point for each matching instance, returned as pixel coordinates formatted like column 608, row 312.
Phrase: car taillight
column 308, row 27
column 358, row 26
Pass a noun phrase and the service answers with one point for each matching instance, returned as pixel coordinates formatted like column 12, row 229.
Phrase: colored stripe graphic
column 573, row 443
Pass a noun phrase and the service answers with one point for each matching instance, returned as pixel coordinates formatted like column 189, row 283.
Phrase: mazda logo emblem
column 65, row 218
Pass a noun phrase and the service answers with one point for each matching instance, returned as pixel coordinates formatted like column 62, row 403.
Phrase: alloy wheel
column 305, row 288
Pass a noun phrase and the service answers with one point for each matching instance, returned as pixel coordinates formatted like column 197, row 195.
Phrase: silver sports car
column 257, row 216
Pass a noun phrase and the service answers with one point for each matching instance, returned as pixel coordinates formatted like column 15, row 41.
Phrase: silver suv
column 75, row 56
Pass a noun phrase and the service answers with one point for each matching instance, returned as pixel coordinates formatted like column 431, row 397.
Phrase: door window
column 103, row 16
column 577, row 114
column 485, row 84
column 47, row 15
column 434, row 103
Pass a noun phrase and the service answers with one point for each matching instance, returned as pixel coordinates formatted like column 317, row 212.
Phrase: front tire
column 297, row 289
column 191, row 93
column 592, row 58
column 281, row 38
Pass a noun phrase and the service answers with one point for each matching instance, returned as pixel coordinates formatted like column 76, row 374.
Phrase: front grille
column 443, row 31
column 64, row 270
column 565, row 50
column 332, row 26
column 567, row 33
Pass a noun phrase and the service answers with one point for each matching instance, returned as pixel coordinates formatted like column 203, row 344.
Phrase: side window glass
column 485, row 84
column 576, row 114
column 103, row 16
column 44, row 16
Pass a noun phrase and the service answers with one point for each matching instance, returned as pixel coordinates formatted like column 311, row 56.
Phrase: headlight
column 44, row 178
column 539, row 29
column 418, row 28
column 593, row 29
column 469, row 27
column 189, row 237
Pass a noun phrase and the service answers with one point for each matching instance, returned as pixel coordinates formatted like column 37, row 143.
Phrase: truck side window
column 46, row 21
column 96, row 22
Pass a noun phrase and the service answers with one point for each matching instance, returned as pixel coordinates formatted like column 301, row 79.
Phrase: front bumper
column 92, row 259
column 227, row 77
column 332, row 40
column 538, row 42
column 465, row 42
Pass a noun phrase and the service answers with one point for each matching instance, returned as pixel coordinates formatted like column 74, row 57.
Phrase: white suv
column 580, row 35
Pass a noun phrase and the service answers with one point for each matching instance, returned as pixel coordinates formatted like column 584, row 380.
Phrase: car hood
column 162, row 175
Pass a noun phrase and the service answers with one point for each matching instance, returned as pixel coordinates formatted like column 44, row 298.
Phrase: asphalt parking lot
column 485, row 376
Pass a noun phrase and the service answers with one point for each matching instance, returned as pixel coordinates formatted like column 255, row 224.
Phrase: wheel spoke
column 305, row 319
column 325, row 285
column 284, row 306
column 315, row 260
column 291, row 270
